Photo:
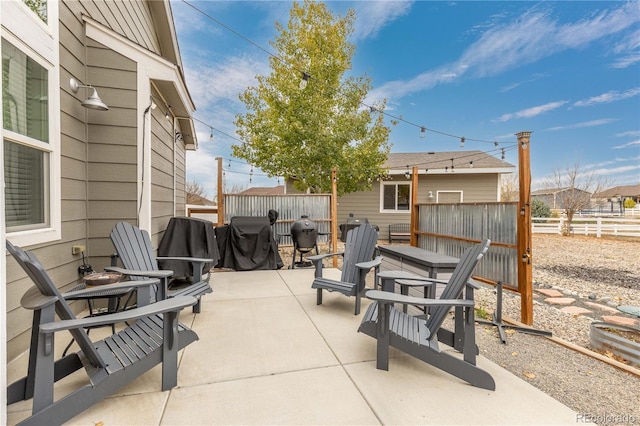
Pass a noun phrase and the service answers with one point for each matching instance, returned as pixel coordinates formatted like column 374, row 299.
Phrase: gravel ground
column 606, row 270
column 599, row 270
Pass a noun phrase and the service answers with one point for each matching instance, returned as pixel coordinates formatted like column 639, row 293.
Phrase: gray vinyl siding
column 475, row 188
column 112, row 148
column 181, row 179
column 162, row 207
column 98, row 151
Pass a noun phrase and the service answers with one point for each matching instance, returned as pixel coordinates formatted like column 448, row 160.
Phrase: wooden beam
column 414, row 207
column 525, row 278
column 220, row 194
column 334, row 215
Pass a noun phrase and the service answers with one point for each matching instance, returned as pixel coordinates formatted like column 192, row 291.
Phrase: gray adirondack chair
column 420, row 337
column 155, row 336
column 136, row 252
column 357, row 261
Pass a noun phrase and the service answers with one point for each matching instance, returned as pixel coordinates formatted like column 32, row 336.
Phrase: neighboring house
column 474, row 178
column 264, row 190
column 71, row 173
column 617, row 193
column 556, row 198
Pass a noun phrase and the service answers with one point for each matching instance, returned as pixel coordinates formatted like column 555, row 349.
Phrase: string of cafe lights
column 304, row 81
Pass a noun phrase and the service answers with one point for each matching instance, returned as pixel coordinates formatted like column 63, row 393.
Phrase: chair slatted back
column 358, row 247
column 134, row 247
column 34, row 269
column 457, row 283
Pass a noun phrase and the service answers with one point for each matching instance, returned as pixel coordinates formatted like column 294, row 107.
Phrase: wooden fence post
column 525, row 278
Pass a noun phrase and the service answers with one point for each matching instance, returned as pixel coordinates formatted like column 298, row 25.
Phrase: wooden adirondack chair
column 136, row 252
column 155, row 336
column 416, row 336
column 357, row 262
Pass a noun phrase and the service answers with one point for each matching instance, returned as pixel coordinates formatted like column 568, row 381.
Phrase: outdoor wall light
column 93, row 101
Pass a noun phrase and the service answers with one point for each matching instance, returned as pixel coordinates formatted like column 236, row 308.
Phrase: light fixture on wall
column 93, row 101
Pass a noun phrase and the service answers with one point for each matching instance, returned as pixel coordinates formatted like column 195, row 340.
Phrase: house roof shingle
column 440, row 160
column 262, row 190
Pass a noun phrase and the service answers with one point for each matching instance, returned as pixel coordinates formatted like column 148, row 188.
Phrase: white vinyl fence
column 595, row 226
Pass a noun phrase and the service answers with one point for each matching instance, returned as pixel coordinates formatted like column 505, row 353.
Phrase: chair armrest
column 169, row 305
column 132, row 272
column 388, row 297
column 34, row 300
column 323, row 256
column 95, row 291
column 371, row 264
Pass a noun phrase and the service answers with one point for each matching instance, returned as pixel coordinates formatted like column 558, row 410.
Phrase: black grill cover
column 247, row 244
column 188, row 237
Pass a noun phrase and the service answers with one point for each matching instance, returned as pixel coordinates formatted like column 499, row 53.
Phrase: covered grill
column 304, row 233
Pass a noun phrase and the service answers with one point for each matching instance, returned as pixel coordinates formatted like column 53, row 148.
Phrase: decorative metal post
column 414, row 207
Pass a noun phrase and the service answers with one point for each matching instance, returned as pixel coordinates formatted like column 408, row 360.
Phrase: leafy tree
column 302, row 133
column 539, row 208
column 629, row 203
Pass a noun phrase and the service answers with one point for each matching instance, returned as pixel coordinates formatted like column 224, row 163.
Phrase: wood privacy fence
column 289, row 207
column 451, row 228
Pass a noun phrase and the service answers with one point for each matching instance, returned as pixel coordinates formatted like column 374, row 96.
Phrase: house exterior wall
column 99, row 157
column 475, row 188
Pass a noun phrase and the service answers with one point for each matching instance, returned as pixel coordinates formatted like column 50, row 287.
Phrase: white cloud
column 591, row 123
column 372, row 16
column 533, row 111
column 626, row 145
column 631, row 133
column 531, row 37
column 608, row 97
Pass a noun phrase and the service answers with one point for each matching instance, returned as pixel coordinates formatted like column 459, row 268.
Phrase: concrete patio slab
column 268, row 355
column 413, row 392
column 252, row 337
column 323, row 396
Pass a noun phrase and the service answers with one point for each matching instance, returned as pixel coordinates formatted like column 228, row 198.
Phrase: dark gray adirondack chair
column 357, row 262
column 155, row 336
column 420, row 337
column 136, row 252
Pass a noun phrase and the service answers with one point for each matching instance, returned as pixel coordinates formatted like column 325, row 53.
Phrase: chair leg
column 319, row 297
column 196, row 308
column 358, row 298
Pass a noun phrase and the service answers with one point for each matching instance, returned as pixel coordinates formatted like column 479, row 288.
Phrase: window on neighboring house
column 396, row 197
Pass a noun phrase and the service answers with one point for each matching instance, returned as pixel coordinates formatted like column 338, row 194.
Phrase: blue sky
column 567, row 71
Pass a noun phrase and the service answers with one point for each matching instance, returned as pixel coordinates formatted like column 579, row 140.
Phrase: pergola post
column 525, row 276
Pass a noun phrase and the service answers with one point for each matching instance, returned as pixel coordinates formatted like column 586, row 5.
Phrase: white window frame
column 39, row 41
column 395, row 184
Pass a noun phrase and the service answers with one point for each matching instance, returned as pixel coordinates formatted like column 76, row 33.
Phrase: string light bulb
column 407, row 174
column 452, row 166
column 423, row 132
column 462, row 140
column 503, row 153
column 211, row 134
column 495, row 143
column 471, row 164
column 167, row 114
column 304, row 81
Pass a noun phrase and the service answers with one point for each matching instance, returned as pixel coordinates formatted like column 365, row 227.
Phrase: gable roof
column 624, row 191
column 263, row 190
column 439, row 162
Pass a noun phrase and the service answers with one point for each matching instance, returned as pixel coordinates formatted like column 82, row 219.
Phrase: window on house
column 27, row 150
column 396, row 197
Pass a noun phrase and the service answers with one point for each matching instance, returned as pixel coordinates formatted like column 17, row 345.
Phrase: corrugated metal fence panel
column 289, row 207
column 449, row 227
